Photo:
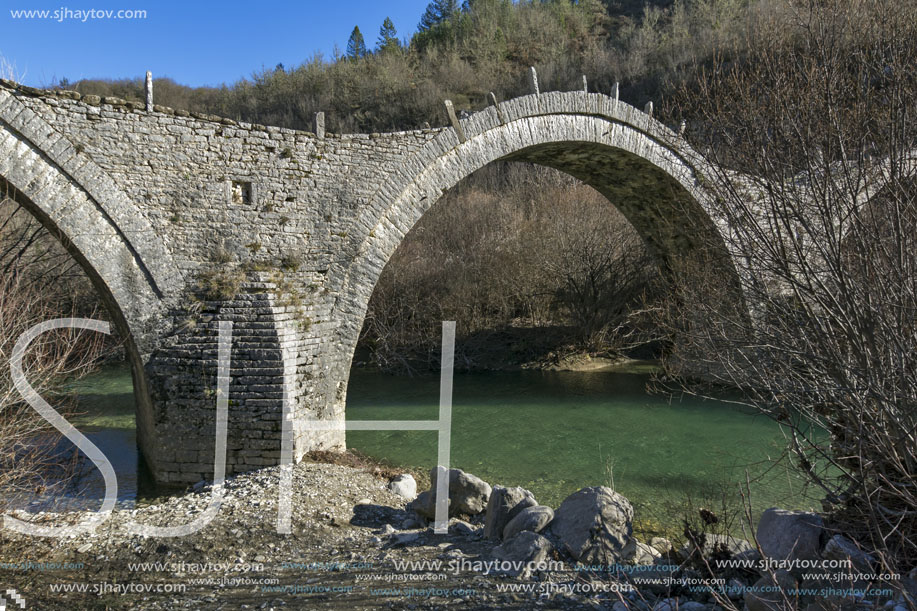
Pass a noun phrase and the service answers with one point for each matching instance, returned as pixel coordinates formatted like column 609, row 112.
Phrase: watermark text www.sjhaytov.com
column 64, row 13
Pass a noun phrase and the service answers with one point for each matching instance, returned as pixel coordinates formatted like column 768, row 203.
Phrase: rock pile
column 593, row 530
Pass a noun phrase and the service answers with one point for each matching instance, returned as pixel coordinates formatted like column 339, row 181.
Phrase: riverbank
column 551, row 432
column 353, row 546
column 350, row 540
column 508, row 348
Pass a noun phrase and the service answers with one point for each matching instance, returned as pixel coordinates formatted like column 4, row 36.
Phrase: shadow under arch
column 643, row 168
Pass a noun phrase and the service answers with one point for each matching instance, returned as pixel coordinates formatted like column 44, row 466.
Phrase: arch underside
column 641, row 168
column 72, row 215
column 653, row 185
column 665, row 215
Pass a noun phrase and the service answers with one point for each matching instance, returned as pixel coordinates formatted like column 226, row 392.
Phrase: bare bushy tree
column 597, row 265
column 38, row 282
column 817, row 112
column 512, row 248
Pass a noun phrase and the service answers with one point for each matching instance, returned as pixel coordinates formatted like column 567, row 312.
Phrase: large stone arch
column 641, row 166
column 100, row 227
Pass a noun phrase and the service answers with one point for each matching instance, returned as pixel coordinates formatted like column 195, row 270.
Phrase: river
column 550, row 432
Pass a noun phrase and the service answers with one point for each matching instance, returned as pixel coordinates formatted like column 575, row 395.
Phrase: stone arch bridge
column 184, row 220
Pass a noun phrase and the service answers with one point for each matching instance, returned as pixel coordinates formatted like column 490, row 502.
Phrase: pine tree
column 388, row 37
column 437, row 12
column 356, row 46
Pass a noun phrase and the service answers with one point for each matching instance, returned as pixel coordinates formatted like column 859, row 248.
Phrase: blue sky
column 195, row 43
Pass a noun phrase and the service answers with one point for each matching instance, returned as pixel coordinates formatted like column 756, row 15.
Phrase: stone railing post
column 148, row 87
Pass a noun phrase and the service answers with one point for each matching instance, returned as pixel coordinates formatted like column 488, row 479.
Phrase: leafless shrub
column 38, row 282
column 818, row 112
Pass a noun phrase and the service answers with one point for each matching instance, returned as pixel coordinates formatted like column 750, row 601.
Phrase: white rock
column 404, row 486
column 404, row 538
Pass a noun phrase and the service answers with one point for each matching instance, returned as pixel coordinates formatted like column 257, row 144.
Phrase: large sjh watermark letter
column 68, row 430
column 98, row 458
column 443, row 426
column 224, row 360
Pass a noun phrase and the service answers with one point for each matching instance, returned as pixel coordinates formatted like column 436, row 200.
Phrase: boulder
column 504, row 505
column 398, row 539
column 772, row 593
column 409, row 523
column 468, row 495
column 594, row 525
column 667, row 604
column 525, row 551
column 404, row 485
column 462, row 529
column 531, row 518
column 840, row 547
column 790, row 535
column 661, row 545
column 735, row 589
column 424, row 505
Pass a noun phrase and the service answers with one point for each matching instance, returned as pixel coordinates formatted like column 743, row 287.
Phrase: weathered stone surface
column 840, row 547
column 468, row 495
column 404, row 486
column 594, row 525
column 462, row 529
column 534, row 518
column 636, row 552
column 504, row 505
column 661, row 545
column 788, row 535
column 424, row 505
column 526, row 550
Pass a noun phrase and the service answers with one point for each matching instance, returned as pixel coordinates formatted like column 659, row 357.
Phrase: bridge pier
column 272, row 366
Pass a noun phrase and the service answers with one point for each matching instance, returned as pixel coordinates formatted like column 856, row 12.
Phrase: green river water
column 550, row 432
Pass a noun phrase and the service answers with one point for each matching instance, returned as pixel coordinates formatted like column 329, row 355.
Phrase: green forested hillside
column 462, row 52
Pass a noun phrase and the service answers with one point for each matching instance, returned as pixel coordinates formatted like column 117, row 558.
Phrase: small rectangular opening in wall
column 241, row 192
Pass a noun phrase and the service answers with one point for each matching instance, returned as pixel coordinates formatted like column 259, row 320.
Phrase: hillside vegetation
column 462, row 53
